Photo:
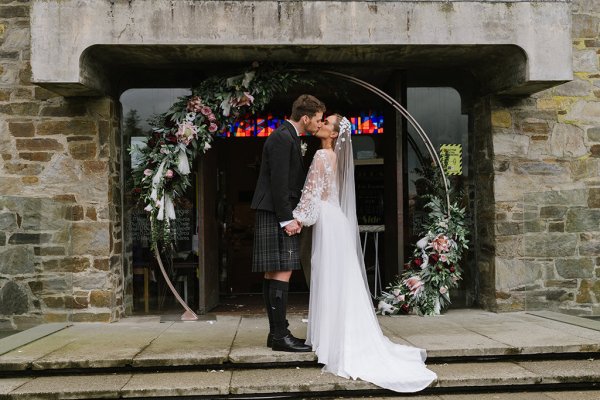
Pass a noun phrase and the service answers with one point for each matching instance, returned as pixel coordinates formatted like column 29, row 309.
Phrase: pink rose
column 147, row 172
column 443, row 290
column 398, row 295
column 169, row 173
column 211, row 117
column 205, row 110
column 186, row 132
column 414, row 284
column 441, row 243
column 194, row 104
column 212, row 127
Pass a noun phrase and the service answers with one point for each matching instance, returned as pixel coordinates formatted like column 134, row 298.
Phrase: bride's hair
column 346, row 187
column 336, row 128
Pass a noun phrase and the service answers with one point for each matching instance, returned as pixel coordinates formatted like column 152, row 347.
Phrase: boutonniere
column 303, row 147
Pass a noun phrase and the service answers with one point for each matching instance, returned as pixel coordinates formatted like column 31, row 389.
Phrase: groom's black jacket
column 282, row 174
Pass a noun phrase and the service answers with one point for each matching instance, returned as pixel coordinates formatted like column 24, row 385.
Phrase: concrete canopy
column 90, row 47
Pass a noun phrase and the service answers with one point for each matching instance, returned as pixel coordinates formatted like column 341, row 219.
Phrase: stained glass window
column 367, row 124
column 264, row 125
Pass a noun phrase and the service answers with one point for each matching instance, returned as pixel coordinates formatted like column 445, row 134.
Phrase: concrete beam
column 416, row 33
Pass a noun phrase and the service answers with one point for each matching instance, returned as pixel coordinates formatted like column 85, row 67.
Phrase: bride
column 342, row 326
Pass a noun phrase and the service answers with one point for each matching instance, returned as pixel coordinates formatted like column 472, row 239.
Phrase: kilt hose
column 274, row 250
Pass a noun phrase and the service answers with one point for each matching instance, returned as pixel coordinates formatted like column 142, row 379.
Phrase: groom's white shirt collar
column 295, row 128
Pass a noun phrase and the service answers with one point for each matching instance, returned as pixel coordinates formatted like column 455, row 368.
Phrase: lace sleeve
column 307, row 210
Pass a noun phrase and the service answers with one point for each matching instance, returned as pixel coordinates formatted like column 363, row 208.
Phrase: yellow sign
column 451, row 158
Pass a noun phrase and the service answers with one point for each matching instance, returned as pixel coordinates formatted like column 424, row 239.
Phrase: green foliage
column 187, row 129
column 434, row 268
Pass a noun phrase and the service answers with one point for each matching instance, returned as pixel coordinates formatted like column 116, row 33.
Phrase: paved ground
column 228, row 340
column 145, row 341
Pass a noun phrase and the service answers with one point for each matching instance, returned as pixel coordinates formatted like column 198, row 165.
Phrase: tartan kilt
column 274, row 250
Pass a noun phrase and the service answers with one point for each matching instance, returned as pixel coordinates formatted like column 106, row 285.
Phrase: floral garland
column 434, row 267
column 188, row 128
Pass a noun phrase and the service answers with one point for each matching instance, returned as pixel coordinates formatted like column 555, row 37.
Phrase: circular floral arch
column 188, row 128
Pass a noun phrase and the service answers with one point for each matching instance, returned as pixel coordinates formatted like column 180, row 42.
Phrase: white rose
column 385, row 308
column 422, row 243
column 303, row 147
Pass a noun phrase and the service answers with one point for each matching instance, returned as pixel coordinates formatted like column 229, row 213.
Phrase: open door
column 208, row 246
column 396, row 183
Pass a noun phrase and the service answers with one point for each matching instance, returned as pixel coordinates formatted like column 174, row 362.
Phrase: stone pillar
column 482, row 170
column 130, row 197
column 547, row 186
column 60, row 224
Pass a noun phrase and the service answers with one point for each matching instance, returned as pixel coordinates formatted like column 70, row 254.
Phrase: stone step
column 231, row 342
column 492, row 377
column 553, row 395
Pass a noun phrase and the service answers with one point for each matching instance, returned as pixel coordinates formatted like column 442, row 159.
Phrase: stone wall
column 536, row 193
column 547, row 186
column 60, row 229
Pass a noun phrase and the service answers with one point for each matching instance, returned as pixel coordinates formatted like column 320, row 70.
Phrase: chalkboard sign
column 184, row 228
column 140, row 227
column 369, row 180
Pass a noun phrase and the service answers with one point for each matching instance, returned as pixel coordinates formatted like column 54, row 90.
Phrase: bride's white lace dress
column 342, row 326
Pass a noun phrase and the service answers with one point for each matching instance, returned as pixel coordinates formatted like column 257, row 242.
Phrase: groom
column 276, row 241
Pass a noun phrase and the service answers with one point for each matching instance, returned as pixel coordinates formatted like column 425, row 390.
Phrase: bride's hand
column 293, row 228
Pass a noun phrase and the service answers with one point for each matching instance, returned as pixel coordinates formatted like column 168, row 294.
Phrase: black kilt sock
column 278, row 296
column 266, row 297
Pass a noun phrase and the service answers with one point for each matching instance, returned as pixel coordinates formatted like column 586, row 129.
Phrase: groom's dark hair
column 306, row 105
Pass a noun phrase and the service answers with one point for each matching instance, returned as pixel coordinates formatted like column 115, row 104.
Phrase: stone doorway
column 227, row 176
column 438, row 109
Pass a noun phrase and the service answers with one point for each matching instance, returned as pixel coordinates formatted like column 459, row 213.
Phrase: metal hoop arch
column 189, row 315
